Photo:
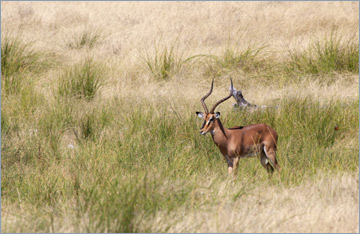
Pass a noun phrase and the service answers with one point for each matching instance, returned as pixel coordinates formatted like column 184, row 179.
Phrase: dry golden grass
column 130, row 29
column 198, row 25
column 324, row 206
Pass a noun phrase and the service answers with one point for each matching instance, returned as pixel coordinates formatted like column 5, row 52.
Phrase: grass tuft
column 82, row 81
column 18, row 59
column 331, row 54
column 93, row 123
column 88, row 38
column 247, row 60
column 165, row 62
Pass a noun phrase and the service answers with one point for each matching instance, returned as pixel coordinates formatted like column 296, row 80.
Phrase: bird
column 336, row 127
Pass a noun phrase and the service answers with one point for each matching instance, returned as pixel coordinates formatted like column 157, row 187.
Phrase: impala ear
column 217, row 115
column 200, row 114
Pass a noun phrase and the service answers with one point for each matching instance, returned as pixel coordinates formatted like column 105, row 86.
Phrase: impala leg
column 229, row 163
column 271, row 155
column 236, row 164
column 265, row 162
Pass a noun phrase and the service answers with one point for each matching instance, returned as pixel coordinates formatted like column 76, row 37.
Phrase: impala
column 239, row 142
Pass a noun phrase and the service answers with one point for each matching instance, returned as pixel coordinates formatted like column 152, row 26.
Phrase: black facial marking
column 203, row 124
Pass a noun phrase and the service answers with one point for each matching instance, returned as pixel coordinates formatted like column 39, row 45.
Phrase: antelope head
column 209, row 117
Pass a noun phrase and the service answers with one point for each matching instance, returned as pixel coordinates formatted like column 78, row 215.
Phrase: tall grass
column 148, row 162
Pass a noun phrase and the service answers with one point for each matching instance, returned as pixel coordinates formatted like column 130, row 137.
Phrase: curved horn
column 207, row 95
column 224, row 99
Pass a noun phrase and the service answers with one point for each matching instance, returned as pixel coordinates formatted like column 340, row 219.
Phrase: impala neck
column 219, row 134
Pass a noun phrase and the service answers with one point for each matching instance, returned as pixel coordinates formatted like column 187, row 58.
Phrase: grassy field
column 98, row 124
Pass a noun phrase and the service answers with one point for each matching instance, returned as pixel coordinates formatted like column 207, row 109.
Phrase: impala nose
column 202, row 133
